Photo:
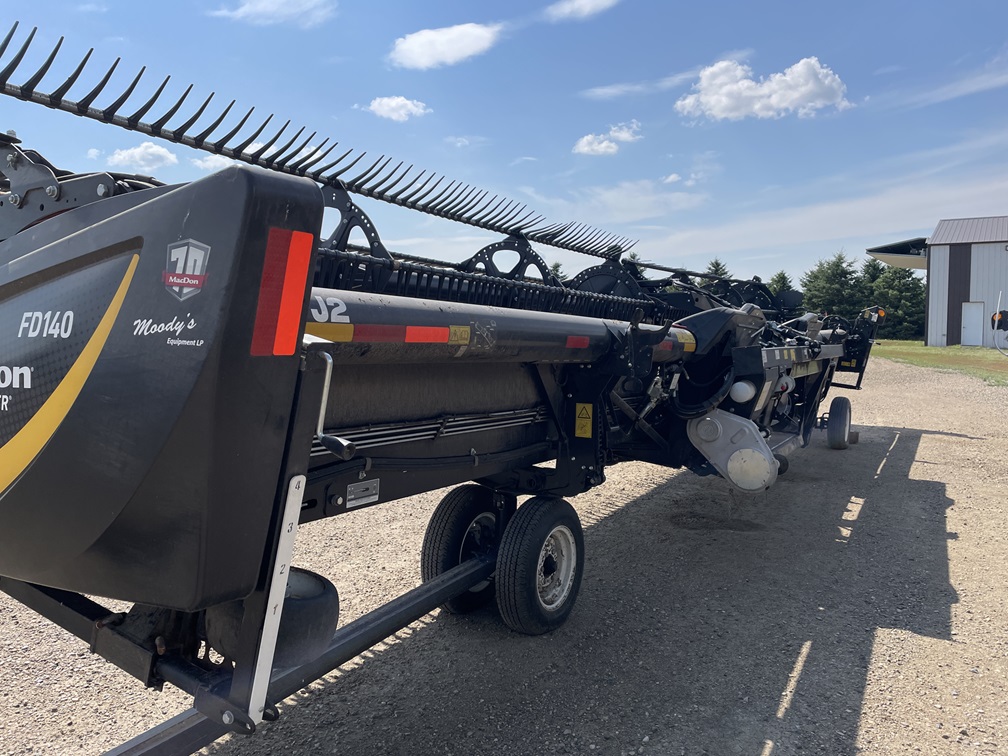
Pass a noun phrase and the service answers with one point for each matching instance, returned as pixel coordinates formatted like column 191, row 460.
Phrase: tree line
column 835, row 286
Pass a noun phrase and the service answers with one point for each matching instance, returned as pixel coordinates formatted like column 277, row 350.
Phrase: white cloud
column 612, row 91
column 304, row 13
column 397, row 108
column 671, row 178
column 593, row 144
column 147, row 157
column 212, row 162
column 993, row 76
column 522, row 159
column 431, row 48
column 605, row 144
column 577, row 9
column 462, row 142
column 94, row 153
column 625, row 202
column 92, row 8
column 727, row 91
column 625, row 132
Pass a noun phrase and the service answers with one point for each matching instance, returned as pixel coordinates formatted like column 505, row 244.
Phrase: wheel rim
column 557, row 566
column 479, row 539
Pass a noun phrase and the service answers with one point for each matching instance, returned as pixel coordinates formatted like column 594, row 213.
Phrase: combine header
column 188, row 373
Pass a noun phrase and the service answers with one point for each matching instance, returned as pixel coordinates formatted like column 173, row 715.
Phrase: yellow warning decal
column 686, row 339
column 583, row 420
column 458, row 334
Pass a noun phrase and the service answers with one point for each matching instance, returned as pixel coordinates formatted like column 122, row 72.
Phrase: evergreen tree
column 831, row 287
column 780, row 281
column 901, row 293
column 717, row 268
column 557, row 270
column 871, row 269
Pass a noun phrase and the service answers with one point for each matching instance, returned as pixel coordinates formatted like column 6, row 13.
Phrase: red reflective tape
column 292, row 300
column 577, row 342
column 426, row 335
column 281, row 293
column 379, row 333
column 667, row 346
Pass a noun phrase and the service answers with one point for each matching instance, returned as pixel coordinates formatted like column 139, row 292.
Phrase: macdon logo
column 15, row 377
column 186, row 271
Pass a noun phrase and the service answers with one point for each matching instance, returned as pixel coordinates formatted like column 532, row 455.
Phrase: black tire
column 782, row 463
column 539, row 566
column 464, row 525
column 307, row 624
column 838, row 423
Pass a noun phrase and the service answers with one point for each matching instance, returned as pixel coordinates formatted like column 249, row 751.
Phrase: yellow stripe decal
column 331, row 331
column 20, row 451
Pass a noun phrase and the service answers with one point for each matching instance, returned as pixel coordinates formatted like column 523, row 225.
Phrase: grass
column 983, row 363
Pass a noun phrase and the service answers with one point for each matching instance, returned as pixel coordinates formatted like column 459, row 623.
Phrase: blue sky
column 768, row 134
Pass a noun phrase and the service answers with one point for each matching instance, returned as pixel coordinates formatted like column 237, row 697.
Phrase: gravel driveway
column 859, row 606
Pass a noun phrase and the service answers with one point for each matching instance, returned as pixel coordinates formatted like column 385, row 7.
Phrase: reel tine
column 109, row 113
column 317, row 174
column 273, row 156
column 354, row 182
column 180, row 132
column 487, row 210
column 9, row 69
column 269, row 143
column 395, row 197
column 313, row 157
column 453, row 207
column 465, row 208
column 378, row 190
column 282, row 162
column 159, row 124
column 8, row 38
column 85, row 103
column 201, row 138
column 408, row 199
column 240, row 148
column 134, row 119
column 222, row 143
column 414, row 202
column 333, row 176
column 60, row 92
column 28, row 88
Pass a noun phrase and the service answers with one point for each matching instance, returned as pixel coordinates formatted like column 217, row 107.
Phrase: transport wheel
column 539, row 566
column 838, row 424
column 463, row 526
column 782, row 463
column 307, row 624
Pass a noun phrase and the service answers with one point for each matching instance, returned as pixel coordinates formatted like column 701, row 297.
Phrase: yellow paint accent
column 20, row 451
column 458, row 334
column 686, row 339
column 331, row 331
column 583, row 420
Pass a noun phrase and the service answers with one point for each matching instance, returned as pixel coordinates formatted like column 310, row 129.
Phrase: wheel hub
column 557, row 566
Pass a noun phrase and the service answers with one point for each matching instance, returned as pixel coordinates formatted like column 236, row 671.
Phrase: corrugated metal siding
column 988, row 278
column 938, row 258
column 970, row 230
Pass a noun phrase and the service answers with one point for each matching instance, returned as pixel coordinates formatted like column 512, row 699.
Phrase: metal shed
column 967, row 272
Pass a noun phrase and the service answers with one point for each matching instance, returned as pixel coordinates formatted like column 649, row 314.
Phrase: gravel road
column 859, row 606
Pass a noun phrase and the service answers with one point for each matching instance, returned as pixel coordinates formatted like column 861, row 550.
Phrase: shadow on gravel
column 706, row 624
